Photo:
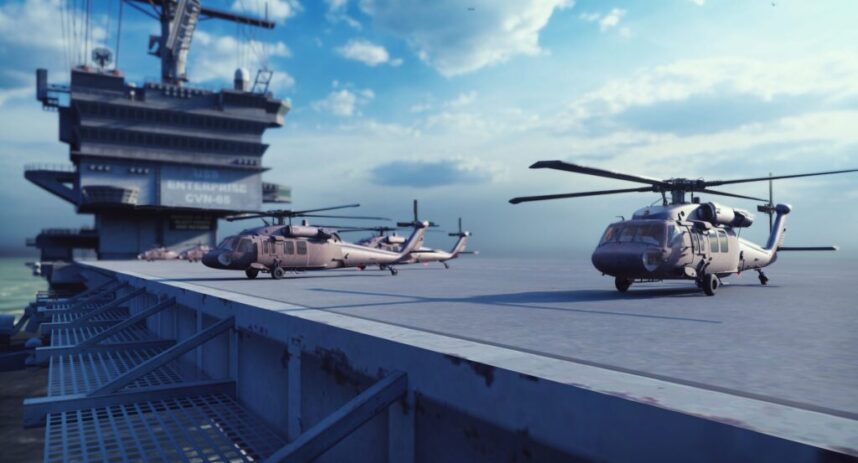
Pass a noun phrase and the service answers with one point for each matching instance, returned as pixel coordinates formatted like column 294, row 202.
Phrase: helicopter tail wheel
column 278, row 273
column 446, row 265
column 251, row 273
column 710, row 284
column 764, row 280
column 393, row 271
column 622, row 284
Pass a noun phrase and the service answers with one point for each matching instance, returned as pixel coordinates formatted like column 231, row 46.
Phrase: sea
column 18, row 286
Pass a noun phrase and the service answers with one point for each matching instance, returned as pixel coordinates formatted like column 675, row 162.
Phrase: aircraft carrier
column 492, row 360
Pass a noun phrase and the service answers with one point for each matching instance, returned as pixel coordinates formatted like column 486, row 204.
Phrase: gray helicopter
column 279, row 248
column 679, row 239
column 158, row 253
column 421, row 254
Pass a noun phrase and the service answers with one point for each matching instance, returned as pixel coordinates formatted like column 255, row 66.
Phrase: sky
column 450, row 101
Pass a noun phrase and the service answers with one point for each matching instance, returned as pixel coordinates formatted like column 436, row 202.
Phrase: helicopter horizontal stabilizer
column 808, row 248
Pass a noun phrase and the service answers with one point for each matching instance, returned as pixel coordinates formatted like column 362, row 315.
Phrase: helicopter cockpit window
column 627, row 234
column 647, row 233
column 611, row 234
column 245, row 245
column 227, row 244
column 650, row 234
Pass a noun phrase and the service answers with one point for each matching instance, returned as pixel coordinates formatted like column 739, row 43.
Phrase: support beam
column 168, row 355
column 344, row 421
column 146, row 313
column 36, row 409
column 109, row 306
column 44, row 354
column 79, row 304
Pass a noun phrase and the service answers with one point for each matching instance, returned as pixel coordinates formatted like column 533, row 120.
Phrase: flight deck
column 777, row 360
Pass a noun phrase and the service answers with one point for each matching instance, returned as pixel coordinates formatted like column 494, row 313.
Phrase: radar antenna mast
column 178, row 22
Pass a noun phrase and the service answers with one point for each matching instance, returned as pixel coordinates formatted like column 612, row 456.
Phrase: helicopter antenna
column 769, row 208
column 416, row 222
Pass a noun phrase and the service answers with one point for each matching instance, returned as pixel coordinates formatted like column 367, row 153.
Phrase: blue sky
column 450, row 101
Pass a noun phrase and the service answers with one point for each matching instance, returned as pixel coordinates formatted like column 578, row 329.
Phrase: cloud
column 607, row 21
column 427, row 174
column 455, row 40
column 278, row 10
column 726, row 90
column 343, row 102
column 33, row 37
column 698, row 2
column 214, row 58
column 338, row 12
column 464, row 99
column 366, row 52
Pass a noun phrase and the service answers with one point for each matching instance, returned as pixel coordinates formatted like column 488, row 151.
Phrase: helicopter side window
column 722, row 237
column 245, row 245
column 695, row 241
column 302, row 247
column 290, row 247
column 713, row 242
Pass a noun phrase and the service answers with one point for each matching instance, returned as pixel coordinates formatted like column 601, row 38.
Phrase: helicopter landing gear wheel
column 251, row 273
column 622, row 284
column 710, row 283
column 393, row 271
column 764, row 280
column 278, row 273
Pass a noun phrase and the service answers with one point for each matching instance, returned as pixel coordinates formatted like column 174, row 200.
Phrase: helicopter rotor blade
column 776, row 177
column 523, row 199
column 732, row 195
column 344, row 206
column 569, row 167
column 356, row 217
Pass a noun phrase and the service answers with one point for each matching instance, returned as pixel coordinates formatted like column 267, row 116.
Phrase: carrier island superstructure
column 159, row 163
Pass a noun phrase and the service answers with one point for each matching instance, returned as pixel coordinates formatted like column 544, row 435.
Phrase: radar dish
column 102, row 56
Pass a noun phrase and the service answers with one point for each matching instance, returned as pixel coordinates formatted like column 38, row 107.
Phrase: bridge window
column 302, row 247
column 722, row 236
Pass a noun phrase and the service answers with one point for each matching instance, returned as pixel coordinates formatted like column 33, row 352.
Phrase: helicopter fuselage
column 678, row 242
column 298, row 248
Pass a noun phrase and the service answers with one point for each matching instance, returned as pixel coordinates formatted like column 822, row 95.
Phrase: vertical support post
column 401, row 429
column 293, row 395
column 199, row 350
column 233, row 356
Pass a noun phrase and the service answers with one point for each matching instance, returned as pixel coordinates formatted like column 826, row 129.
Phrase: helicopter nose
column 210, row 259
column 616, row 262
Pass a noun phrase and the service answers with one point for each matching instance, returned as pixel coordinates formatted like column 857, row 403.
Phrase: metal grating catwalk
column 205, row 428
column 63, row 337
column 87, row 371
column 100, row 354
